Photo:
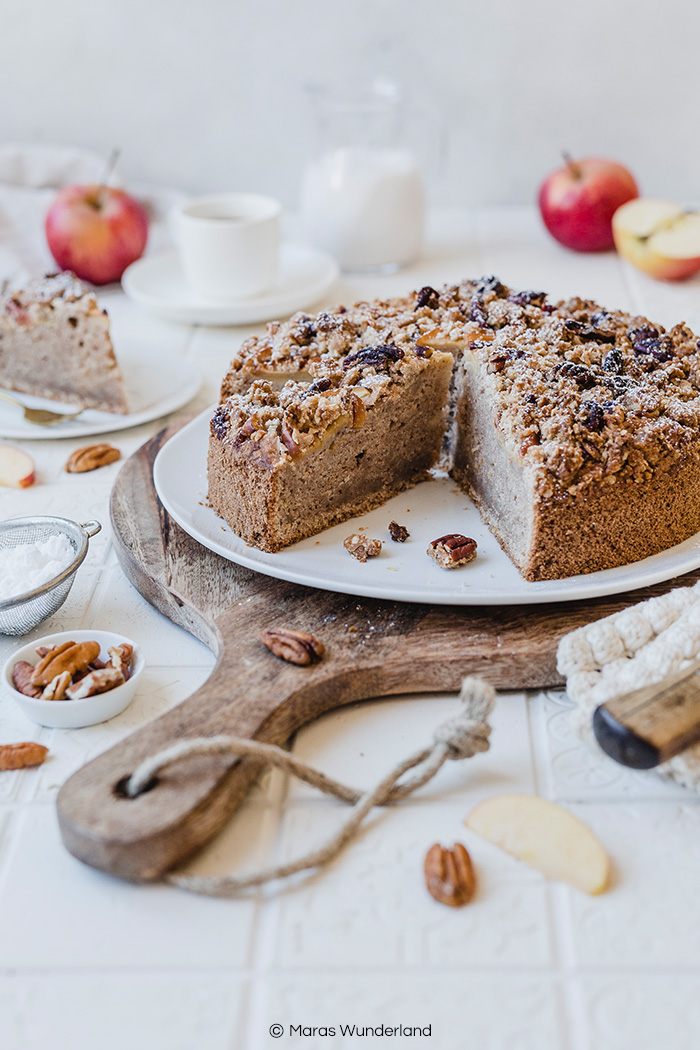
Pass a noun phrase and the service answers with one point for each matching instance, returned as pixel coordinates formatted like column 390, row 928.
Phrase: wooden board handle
column 644, row 728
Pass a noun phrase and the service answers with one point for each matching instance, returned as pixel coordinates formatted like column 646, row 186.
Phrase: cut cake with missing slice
column 575, row 429
column 55, row 343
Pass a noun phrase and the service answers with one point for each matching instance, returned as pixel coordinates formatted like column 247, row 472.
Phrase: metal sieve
column 19, row 615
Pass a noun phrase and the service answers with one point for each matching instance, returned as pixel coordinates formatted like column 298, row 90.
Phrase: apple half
column 16, row 468
column 658, row 237
column 545, row 836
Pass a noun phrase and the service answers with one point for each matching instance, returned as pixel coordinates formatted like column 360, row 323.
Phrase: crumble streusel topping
column 39, row 299
column 589, row 393
column 584, row 392
column 282, row 424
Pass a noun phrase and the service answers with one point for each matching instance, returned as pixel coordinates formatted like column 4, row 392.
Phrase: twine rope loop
column 460, row 737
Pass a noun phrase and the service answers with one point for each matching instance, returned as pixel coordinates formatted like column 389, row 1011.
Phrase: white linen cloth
column 30, row 176
column 639, row 646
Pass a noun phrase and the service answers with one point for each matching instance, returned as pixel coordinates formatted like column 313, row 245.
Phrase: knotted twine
column 462, row 736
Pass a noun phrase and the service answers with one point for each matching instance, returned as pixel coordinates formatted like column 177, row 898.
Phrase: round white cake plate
column 157, row 382
column 157, row 283
column 402, row 572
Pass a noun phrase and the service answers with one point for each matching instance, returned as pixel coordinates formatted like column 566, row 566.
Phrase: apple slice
column 658, row 237
column 16, row 468
column 545, row 836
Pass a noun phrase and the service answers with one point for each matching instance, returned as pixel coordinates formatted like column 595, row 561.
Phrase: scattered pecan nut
column 449, row 875
column 296, row 647
column 22, row 677
column 91, row 457
column 95, row 682
column 18, row 756
column 398, row 533
column 70, row 656
column 452, row 550
column 56, row 689
column 362, row 547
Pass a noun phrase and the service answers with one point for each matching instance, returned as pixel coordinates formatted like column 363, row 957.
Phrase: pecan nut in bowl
column 80, row 693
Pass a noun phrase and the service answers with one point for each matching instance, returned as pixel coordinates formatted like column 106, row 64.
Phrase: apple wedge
column 545, row 836
column 16, row 468
column 658, row 237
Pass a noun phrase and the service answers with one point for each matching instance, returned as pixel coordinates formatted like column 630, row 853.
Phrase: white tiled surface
column 87, row 961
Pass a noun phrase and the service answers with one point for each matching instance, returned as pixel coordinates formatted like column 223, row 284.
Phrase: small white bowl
column 72, row 714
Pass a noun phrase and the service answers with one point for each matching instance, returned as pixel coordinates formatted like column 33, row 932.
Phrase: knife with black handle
column 646, row 727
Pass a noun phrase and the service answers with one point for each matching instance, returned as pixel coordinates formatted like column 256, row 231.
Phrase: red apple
column 96, row 231
column 578, row 202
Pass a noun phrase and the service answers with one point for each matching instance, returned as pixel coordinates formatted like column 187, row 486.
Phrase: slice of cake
column 286, row 464
column 576, row 430
column 55, row 343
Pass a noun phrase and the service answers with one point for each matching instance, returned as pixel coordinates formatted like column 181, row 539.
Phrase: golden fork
column 41, row 416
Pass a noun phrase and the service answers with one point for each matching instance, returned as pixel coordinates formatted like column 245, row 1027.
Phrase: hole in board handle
column 120, row 788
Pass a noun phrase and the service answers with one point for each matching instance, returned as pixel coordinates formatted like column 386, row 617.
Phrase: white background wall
column 209, row 94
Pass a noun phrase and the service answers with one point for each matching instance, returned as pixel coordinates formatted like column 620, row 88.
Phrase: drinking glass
column 362, row 194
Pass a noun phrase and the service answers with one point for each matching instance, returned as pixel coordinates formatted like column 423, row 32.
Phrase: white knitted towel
column 630, row 649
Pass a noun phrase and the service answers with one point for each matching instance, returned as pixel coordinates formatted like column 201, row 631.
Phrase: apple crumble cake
column 575, row 429
column 55, row 343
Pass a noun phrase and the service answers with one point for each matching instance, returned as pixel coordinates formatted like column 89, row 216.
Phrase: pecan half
column 56, row 689
column 398, row 533
column 91, row 457
column 71, row 656
column 18, row 756
column 359, row 412
column 362, row 547
column 296, row 647
column 530, row 440
column 22, row 677
column 452, row 550
column 96, row 682
column 497, row 362
column 120, row 657
column 288, row 441
column 449, row 875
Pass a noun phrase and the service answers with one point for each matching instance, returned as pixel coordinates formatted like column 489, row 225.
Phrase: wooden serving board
column 373, row 649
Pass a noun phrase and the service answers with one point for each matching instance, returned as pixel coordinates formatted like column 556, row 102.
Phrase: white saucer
column 157, row 283
column 157, row 382
column 403, row 571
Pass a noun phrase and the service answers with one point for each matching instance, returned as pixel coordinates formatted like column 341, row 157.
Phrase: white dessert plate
column 157, row 283
column 402, row 572
column 157, row 382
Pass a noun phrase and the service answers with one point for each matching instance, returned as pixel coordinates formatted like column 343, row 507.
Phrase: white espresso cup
column 228, row 243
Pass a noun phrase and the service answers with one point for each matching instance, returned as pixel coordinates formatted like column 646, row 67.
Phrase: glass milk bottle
column 362, row 196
